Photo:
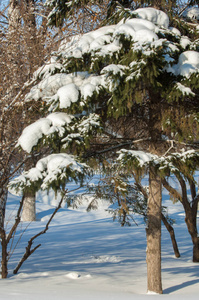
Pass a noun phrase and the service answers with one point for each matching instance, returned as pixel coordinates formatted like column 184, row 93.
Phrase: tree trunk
column 196, row 249
column 4, row 255
column 153, row 232
column 191, row 225
column 13, row 15
column 3, row 199
column 172, row 235
column 29, row 214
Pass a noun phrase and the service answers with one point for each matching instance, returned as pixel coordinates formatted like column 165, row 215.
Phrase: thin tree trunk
column 172, row 235
column 3, row 199
column 4, row 255
column 29, row 214
column 153, row 232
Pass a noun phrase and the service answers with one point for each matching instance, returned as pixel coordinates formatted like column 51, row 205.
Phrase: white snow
column 86, row 256
column 175, row 31
column 73, row 275
column 64, row 89
column 153, row 15
column 49, row 68
column 188, row 63
column 68, row 94
column 185, row 41
column 191, row 13
column 54, row 122
column 60, row 118
column 141, row 157
column 49, row 170
column 115, row 69
column 32, row 133
column 184, row 90
column 61, row 90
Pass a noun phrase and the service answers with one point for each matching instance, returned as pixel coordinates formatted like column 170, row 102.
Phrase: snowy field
column 88, row 256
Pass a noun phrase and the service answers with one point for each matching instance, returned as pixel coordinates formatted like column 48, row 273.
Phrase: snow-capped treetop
column 146, row 35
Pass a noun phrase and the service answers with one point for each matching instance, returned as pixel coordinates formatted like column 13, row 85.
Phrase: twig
column 17, row 221
column 28, row 250
column 169, row 148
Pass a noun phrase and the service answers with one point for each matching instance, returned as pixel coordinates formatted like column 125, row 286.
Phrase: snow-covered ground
column 88, row 256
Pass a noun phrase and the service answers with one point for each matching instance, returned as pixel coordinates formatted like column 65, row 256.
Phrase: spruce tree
column 132, row 85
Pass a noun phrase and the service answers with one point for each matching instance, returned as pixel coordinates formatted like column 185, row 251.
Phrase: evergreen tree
column 127, row 86
column 61, row 10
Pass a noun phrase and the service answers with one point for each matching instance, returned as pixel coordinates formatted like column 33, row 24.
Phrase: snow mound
column 44, row 126
column 67, row 95
column 140, row 31
column 153, row 15
column 73, row 275
column 188, row 64
column 104, row 41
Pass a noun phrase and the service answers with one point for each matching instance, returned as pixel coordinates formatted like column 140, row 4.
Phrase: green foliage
column 62, row 9
column 53, row 171
column 138, row 82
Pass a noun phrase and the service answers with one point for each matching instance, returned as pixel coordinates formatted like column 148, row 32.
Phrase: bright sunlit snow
column 153, row 15
column 88, row 256
column 53, row 123
column 188, row 63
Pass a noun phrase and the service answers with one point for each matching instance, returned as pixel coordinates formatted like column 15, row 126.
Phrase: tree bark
column 3, row 199
column 196, row 250
column 190, row 220
column 29, row 213
column 153, row 233
column 190, row 214
column 4, row 254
